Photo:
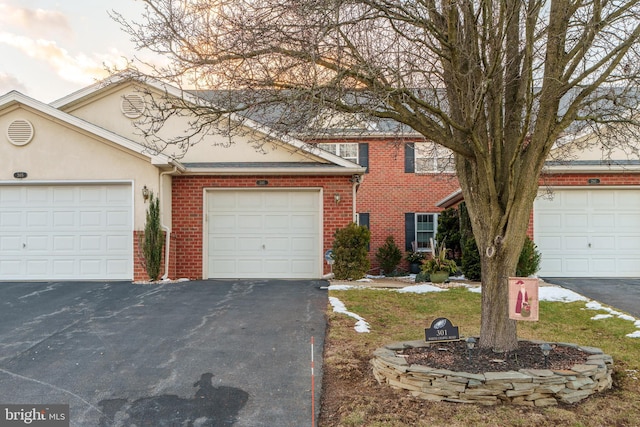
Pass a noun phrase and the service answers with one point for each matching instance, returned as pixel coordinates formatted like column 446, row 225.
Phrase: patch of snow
column 635, row 334
column 366, row 280
column 601, row 316
column 594, row 305
column 627, row 317
column 338, row 307
column 369, row 276
column 420, row 289
column 343, row 287
column 637, row 324
column 556, row 293
column 476, row 289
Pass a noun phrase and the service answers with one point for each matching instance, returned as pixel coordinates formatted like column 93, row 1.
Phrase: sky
column 49, row 49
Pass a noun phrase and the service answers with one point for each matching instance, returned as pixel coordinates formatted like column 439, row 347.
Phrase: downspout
column 355, row 181
column 166, row 228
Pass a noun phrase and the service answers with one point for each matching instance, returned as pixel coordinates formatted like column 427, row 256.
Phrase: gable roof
column 339, row 164
column 14, row 98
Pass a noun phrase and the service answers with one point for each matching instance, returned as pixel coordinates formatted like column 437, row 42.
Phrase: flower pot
column 439, row 276
column 414, row 267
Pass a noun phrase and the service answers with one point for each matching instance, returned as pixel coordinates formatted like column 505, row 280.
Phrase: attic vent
column 132, row 105
column 20, row 132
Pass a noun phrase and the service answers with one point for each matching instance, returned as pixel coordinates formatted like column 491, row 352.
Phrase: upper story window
column 348, row 151
column 432, row 158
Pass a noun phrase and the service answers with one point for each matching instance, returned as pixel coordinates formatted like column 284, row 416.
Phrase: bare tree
column 496, row 82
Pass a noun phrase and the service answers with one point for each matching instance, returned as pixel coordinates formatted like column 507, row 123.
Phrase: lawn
column 352, row 397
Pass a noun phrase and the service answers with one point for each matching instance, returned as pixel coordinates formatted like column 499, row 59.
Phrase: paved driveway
column 213, row 353
column 620, row 293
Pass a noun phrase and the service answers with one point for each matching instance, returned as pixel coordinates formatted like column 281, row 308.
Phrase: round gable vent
column 20, row 132
column 132, row 105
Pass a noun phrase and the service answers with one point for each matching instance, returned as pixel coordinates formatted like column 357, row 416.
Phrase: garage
column 263, row 233
column 588, row 232
column 66, row 232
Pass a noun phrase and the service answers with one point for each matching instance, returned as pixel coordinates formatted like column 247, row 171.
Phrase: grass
column 351, row 397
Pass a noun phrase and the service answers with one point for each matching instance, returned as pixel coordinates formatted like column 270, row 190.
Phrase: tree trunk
column 497, row 331
column 499, row 217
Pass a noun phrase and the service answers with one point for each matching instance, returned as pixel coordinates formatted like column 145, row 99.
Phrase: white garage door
column 61, row 232
column 588, row 233
column 263, row 234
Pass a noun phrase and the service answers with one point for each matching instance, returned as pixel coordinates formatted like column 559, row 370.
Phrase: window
column 432, row 158
column 426, row 227
column 348, row 151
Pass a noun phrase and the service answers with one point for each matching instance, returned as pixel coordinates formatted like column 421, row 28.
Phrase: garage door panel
column 62, row 232
column 10, row 267
column 10, row 244
column 277, row 201
column 248, row 223
column 63, row 267
column 600, row 233
column 631, row 243
column 550, row 221
column 220, row 244
column 10, row 220
column 573, row 221
column 276, row 223
column 280, row 245
column 276, row 232
column 118, row 218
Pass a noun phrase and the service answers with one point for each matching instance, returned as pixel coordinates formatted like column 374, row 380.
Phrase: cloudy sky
column 50, row 48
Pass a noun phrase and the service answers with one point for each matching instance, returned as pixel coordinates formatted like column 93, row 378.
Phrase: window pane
column 425, row 230
column 349, row 150
column 331, row 148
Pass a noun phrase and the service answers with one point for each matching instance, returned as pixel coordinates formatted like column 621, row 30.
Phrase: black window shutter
column 409, row 158
column 363, row 219
column 409, row 230
column 363, row 155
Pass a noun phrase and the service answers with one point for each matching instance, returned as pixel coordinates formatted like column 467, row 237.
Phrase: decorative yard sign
column 328, row 256
column 442, row 330
column 523, row 298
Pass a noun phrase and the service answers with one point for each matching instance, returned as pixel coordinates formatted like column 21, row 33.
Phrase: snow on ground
column 545, row 293
column 339, row 307
column 420, row 289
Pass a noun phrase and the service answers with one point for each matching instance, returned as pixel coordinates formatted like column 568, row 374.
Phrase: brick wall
column 188, row 202
column 387, row 193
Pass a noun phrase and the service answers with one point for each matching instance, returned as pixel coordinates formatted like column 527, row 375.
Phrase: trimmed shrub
column 471, row 266
column 529, row 261
column 153, row 240
column 389, row 256
column 350, row 255
column 449, row 234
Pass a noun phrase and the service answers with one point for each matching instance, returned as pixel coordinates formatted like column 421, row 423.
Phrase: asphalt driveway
column 204, row 353
column 620, row 293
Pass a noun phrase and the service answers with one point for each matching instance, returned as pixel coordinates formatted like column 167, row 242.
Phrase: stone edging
column 533, row 387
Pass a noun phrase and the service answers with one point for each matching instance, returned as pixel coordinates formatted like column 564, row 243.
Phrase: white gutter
column 355, row 180
column 166, row 228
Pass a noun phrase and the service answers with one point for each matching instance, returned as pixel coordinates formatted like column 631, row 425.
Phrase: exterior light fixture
column 337, row 198
column 145, row 193
column 546, row 349
column 471, row 343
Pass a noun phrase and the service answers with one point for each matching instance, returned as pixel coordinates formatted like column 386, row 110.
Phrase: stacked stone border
column 532, row 387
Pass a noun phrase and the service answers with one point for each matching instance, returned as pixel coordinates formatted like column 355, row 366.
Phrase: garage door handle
column 589, row 244
column 264, row 247
column 24, row 245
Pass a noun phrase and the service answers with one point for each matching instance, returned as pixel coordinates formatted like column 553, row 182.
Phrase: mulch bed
column 454, row 357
